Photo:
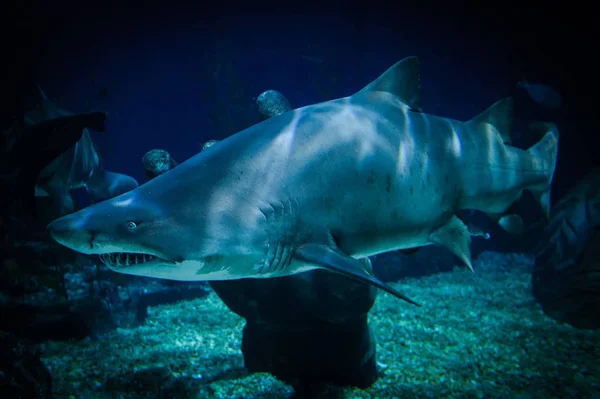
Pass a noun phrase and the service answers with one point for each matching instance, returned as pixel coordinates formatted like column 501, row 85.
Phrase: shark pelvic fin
column 403, row 79
column 335, row 261
column 500, row 116
column 456, row 237
column 512, row 224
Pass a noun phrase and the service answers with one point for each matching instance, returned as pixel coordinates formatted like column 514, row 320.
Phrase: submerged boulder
column 306, row 329
column 272, row 103
column 566, row 277
column 22, row 373
column 157, row 162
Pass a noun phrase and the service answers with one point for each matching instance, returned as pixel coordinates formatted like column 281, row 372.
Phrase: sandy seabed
column 477, row 335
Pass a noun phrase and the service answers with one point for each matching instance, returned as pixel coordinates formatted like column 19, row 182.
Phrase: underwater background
column 174, row 76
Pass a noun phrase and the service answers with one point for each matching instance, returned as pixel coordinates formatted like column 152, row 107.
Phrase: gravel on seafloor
column 477, row 335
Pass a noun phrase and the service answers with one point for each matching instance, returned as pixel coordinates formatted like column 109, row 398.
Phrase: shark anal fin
column 456, row 237
column 511, row 223
column 335, row 261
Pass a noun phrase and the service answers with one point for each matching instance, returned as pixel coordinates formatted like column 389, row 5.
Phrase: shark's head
column 172, row 227
column 131, row 234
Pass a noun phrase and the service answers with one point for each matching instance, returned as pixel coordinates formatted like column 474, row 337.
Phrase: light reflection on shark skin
column 79, row 166
column 318, row 187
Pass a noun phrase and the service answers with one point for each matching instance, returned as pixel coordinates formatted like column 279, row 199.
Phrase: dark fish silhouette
column 27, row 150
column 79, row 166
column 544, row 95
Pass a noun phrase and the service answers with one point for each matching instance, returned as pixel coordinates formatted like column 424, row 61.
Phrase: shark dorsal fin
column 403, row 79
column 499, row 115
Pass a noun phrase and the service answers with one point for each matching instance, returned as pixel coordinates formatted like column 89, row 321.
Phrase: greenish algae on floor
column 478, row 335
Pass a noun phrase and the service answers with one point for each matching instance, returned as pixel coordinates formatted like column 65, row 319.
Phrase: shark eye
column 131, row 225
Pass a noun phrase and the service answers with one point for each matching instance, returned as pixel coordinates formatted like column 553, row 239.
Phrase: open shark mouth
column 122, row 259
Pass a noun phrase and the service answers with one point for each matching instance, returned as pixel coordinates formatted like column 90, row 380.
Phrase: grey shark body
column 318, row 187
column 79, row 166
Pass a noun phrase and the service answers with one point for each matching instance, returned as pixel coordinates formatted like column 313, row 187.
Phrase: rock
column 209, row 144
column 22, row 373
column 84, row 299
column 302, row 330
column 566, row 276
column 157, row 162
column 572, row 294
column 272, row 103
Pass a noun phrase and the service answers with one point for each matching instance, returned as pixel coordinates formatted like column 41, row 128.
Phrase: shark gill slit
column 278, row 256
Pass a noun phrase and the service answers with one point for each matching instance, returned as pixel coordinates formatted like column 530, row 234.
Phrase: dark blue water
column 175, row 78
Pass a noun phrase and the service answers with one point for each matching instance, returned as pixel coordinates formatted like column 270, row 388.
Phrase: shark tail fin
column 545, row 152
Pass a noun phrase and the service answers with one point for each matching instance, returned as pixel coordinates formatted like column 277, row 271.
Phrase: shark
column 79, row 166
column 27, row 150
column 320, row 187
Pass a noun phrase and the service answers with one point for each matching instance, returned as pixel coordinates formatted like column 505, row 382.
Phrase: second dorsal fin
column 499, row 115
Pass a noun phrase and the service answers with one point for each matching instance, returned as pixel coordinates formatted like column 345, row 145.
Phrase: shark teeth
column 123, row 259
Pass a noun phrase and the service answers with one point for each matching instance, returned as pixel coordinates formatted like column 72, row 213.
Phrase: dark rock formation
column 307, row 328
column 272, row 103
column 566, row 278
column 156, row 162
column 22, row 373
column 84, row 299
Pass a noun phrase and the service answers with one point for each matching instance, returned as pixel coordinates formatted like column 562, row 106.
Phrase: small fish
column 544, row 95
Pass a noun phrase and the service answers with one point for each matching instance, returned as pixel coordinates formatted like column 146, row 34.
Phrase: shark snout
column 70, row 232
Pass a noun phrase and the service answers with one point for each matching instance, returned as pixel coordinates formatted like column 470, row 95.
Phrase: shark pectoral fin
column 499, row 115
column 403, row 79
column 456, row 237
column 330, row 259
